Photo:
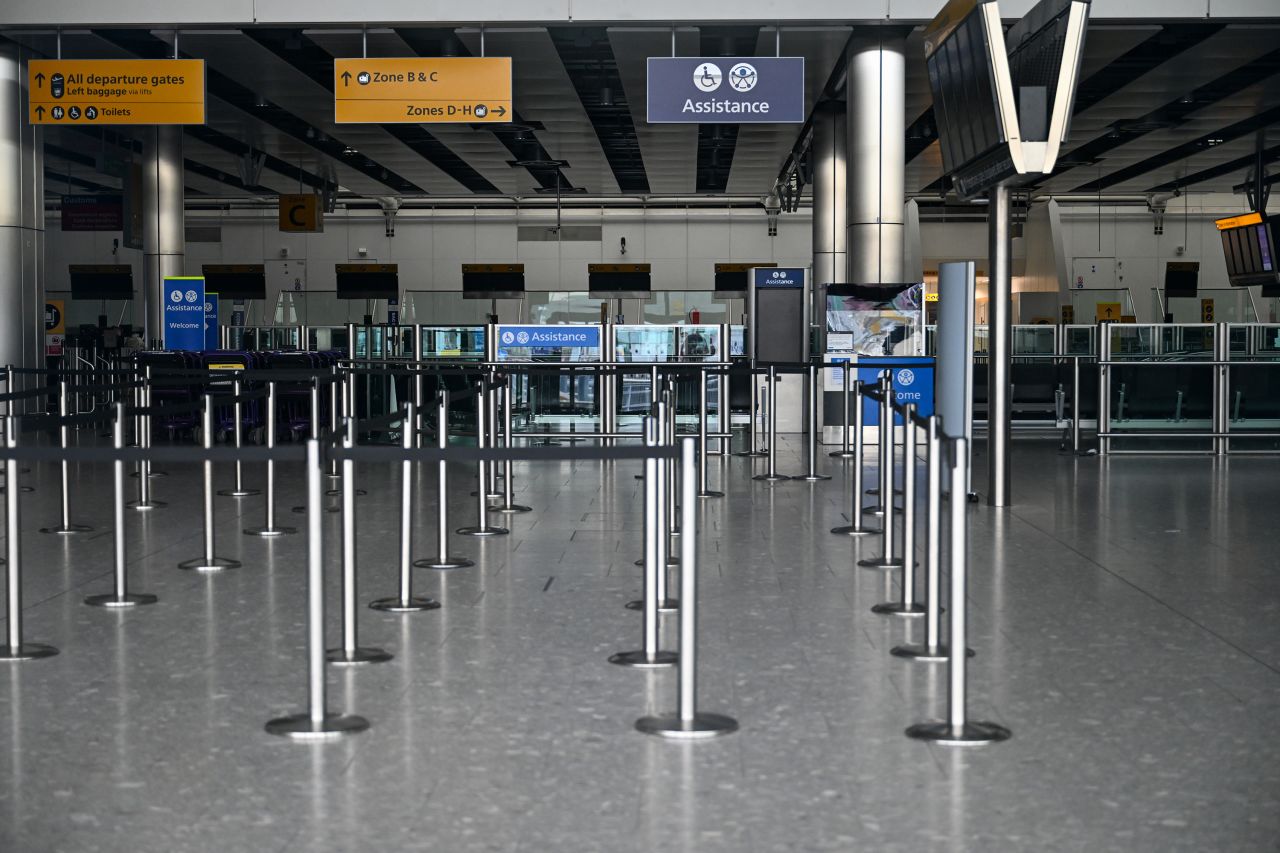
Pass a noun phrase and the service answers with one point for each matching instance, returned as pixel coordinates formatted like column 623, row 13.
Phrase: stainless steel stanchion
column 907, row 606
column 811, row 437
column 753, row 423
column 237, row 412
column 508, row 479
column 269, row 528
column 856, row 527
column 703, row 450
column 207, row 562
column 846, row 384
column 144, row 501
column 351, row 653
column 335, row 472
column 315, row 434
column 482, row 526
column 14, row 649
column 673, row 512
column 958, row 729
column 443, row 560
column 151, row 472
column 649, row 656
column 886, row 560
column 406, row 601
column 665, row 557
column 688, row 723
column 772, row 476
column 121, row 597
column 885, row 449
column 65, row 527
column 316, row 723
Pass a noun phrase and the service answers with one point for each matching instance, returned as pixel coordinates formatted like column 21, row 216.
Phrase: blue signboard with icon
column 783, row 278
column 726, row 90
column 912, row 383
column 548, row 337
column 184, row 310
column 211, row 321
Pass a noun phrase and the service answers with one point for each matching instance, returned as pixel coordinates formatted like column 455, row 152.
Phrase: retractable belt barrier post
column 406, row 601
column 121, row 597
column 649, row 656
column 508, row 479
column 144, row 472
column 491, row 435
column 665, row 560
column 846, row 386
column 315, row 723
column 14, row 649
column 66, row 527
column 772, row 476
column 335, row 381
column 907, row 606
column 237, row 412
column 482, row 526
column 687, row 723
column 351, row 653
column 886, row 560
column 811, row 436
column 958, row 730
column 443, row 559
column 856, row 528
column 703, row 450
column 314, row 395
column 208, row 562
column 673, row 513
column 753, row 422
column 269, row 529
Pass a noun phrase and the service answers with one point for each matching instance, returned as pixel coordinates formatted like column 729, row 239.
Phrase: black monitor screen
column 249, row 282
column 731, row 281
column 1181, row 278
column 619, row 282
column 101, row 282
column 484, row 283
column 370, row 282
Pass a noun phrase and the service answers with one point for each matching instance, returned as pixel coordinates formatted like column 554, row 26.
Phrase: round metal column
column 163, row 225
column 830, row 224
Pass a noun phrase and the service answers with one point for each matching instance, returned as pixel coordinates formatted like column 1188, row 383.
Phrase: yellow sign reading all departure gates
column 465, row 89
column 116, row 91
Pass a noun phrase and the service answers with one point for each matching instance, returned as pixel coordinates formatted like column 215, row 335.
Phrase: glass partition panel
column 1096, row 304
column 1079, row 340
column 448, row 307
column 453, row 342
column 324, row 308
column 562, row 306
column 1035, row 340
column 1225, row 305
column 673, row 306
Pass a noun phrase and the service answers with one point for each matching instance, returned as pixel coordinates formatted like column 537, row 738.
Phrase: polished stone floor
column 1125, row 615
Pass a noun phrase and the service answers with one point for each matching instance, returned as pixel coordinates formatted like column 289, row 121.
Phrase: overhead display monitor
column 619, row 281
column 236, row 281
column 1248, row 243
column 731, row 277
column 368, row 281
column 493, row 281
column 101, row 281
column 1181, row 278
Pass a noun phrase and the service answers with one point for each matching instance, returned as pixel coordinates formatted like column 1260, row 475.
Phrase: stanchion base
column 239, row 493
column 881, row 563
column 510, row 508
column 752, row 453
column 482, row 531
column 333, row 493
column 925, row 654
column 811, row 478
column 874, row 491
column 640, row 660
column 666, row 605
column 27, row 651
column 302, row 727
column 447, row 563
column 672, row 562
column 774, row 478
column 68, row 530
column 217, row 564
column 143, row 506
column 302, row 510
column 489, row 496
column 970, row 734
column 130, row 599
column 415, row 604
column 357, row 656
column 270, row 531
column 850, row 530
column 897, row 608
column 134, row 474
column 701, row 727
column 710, row 493
column 843, row 454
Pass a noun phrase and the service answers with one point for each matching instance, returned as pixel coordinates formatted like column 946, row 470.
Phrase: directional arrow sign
column 116, row 91
column 431, row 90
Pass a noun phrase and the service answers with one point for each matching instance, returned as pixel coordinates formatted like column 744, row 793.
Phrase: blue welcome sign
column 184, row 313
column 912, row 383
column 211, row 321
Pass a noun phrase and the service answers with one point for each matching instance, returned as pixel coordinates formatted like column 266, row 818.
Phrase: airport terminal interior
column 591, row 427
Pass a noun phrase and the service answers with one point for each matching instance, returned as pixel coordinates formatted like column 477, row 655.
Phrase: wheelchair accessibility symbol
column 707, row 76
column 906, row 376
column 508, row 338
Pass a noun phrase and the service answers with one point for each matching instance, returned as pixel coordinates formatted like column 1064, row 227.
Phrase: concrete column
column 875, row 91
column 830, row 264
column 163, row 221
column 999, row 344
column 21, row 218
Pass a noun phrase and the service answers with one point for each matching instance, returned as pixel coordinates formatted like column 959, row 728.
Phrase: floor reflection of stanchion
column 703, row 450
column 482, row 526
column 237, row 430
column 856, row 527
column 14, row 648
column 120, row 597
column 65, row 527
column 846, row 383
column 315, row 723
column 772, row 476
column 649, row 656
column 688, row 723
column 959, row 730
column 907, row 606
column 813, row 417
column 406, row 601
column 207, row 562
column 270, row 529
column 443, row 559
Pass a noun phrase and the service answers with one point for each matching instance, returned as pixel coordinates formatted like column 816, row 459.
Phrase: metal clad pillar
column 830, row 225
column 1000, row 333
column 875, row 91
column 21, row 218
column 164, row 235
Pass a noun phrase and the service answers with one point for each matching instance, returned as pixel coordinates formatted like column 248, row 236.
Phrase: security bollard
column 772, row 476
column 207, row 562
column 886, row 560
column 14, row 649
column 649, row 656
column 703, row 450
column 688, row 723
column 351, row 653
column 66, row 527
column 238, row 491
column 269, row 529
column 316, row 723
column 811, row 436
column 443, row 560
column 121, row 597
column 907, row 606
column 856, row 528
column 406, row 601
column 846, row 384
column 482, row 526
column 958, row 730
column 508, row 479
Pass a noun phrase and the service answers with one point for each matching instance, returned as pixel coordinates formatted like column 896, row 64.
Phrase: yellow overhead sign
column 465, row 89
column 116, row 91
column 1107, row 312
column 301, row 213
column 1238, row 221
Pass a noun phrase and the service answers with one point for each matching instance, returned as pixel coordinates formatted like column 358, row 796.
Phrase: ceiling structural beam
column 519, row 137
column 588, row 59
column 1270, row 155
column 832, row 91
column 717, row 142
column 145, row 45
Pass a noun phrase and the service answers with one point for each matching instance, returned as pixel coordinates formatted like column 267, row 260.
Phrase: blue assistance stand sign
column 184, row 312
column 912, row 383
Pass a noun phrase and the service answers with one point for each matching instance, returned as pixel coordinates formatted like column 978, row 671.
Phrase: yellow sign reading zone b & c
column 422, row 90
column 116, row 91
